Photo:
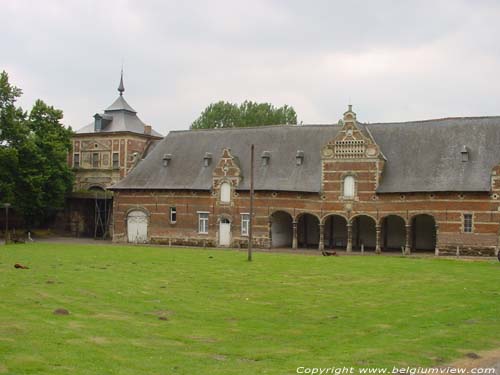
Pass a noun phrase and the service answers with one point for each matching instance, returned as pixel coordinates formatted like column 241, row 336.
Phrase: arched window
column 349, row 183
column 225, row 192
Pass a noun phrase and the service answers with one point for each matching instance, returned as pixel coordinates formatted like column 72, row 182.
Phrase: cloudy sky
column 394, row 60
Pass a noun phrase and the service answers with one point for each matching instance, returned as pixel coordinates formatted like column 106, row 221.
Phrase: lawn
column 151, row 310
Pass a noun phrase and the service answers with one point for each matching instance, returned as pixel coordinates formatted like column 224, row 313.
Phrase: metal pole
column 250, row 224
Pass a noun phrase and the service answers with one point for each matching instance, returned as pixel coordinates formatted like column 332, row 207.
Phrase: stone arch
column 281, row 228
column 224, row 216
column 364, row 232
column 423, row 232
column 335, row 231
column 308, row 231
column 393, row 232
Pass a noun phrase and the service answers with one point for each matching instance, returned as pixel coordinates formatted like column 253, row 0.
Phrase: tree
column 34, row 175
column 230, row 115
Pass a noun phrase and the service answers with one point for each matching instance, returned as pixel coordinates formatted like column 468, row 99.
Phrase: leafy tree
column 34, row 175
column 230, row 115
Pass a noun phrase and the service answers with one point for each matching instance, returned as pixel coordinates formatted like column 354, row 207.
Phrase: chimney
column 147, row 129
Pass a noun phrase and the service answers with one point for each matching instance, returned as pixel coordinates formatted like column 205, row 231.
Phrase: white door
column 137, row 227
column 224, row 232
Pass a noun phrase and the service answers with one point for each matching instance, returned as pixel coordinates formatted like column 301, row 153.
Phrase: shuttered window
column 349, row 186
column 225, row 192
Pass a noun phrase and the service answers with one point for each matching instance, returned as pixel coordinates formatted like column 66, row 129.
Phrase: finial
column 121, row 88
column 350, row 108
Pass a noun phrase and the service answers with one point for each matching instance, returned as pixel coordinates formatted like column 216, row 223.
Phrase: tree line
column 34, row 174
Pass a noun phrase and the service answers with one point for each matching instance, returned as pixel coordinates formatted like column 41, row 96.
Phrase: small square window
column 467, row 223
column 173, row 215
column 245, row 224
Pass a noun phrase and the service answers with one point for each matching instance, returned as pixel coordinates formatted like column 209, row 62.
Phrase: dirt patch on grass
column 472, row 359
column 61, row 312
column 3, row 369
column 161, row 314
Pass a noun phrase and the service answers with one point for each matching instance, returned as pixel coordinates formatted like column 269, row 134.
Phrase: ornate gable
column 351, row 142
column 227, row 169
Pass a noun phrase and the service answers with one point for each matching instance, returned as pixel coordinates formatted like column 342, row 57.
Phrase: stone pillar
column 408, row 239
column 349, row 237
column 378, row 229
column 294, row 235
column 436, row 250
column 321, row 246
column 270, row 233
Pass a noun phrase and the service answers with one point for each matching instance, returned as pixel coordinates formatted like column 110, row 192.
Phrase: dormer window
column 266, row 156
column 207, row 159
column 225, row 192
column 349, row 187
column 166, row 159
column 299, row 157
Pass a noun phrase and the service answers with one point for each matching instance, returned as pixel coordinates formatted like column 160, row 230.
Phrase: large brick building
column 415, row 186
column 104, row 152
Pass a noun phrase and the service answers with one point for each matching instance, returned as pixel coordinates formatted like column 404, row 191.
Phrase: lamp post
column 6, row 205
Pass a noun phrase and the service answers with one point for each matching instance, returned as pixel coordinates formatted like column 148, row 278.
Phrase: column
column 294, row 235
column 270, row 233
column 321, row 246
column 377, row 238
column 436, row 250
column 349, row 237
column 408, row 239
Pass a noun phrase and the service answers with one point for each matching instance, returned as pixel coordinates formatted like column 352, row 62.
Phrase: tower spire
column 121, row 88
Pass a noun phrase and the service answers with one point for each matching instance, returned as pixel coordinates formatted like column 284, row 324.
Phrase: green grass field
column 151, row 310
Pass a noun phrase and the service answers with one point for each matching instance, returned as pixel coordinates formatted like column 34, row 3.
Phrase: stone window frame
column 245, row 218
column 172, row 213
column 467, row 228
column 203, row 219
column 75, row 156
column 117, row 160
column 355, row 195
column 224, row 183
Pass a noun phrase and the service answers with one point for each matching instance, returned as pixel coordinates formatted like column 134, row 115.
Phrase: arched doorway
column 423, row 229
column 393, row 233
column 281, row 229
column 363, row 232
column 137, row 226
column 224, row 232
column 335, row 232
column 308, row 231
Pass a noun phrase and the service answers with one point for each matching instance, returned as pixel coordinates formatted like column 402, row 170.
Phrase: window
column 116, row 161
column 95, row 160
column 225, row 192
column 76, row 161
column 203, row 222
column 173, row 215
column 349, row 183
column 467, row 223
column 245, row 224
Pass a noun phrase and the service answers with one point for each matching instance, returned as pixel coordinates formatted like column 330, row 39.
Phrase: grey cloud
column 395, row 60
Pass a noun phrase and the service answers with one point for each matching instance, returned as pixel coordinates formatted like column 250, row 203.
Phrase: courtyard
column 157, row 310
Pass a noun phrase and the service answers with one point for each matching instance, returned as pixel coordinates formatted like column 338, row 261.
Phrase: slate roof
column 422, row 156
column 123, row 119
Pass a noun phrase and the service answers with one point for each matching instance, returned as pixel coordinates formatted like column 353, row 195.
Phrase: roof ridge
column 433, row 120
column 291, row 126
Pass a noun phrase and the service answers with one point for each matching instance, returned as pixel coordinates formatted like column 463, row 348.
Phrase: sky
column 392, row 60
